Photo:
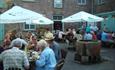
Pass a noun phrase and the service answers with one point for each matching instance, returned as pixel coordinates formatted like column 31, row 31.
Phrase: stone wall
column 107, row 6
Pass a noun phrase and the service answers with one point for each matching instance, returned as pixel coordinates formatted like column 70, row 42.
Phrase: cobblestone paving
column 108, row 54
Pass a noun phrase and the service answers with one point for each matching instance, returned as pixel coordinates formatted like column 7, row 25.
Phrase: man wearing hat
column 14, row 58
column 53, row 45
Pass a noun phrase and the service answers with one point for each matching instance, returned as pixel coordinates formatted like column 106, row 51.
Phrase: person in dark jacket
column 49, row 38
column 1, row 64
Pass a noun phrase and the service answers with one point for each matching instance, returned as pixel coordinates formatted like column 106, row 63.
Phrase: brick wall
column 108, row 6
column 46, row 7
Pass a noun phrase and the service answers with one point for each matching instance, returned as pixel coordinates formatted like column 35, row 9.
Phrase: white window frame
column 57, row 17
column 29, row 27
column 81, row 2
column 29, row 0
column 58, row 3
column 100, row 2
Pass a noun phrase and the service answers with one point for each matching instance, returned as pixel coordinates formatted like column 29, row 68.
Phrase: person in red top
column 94, row 35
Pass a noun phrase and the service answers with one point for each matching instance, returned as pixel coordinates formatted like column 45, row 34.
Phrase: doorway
column 58, row 25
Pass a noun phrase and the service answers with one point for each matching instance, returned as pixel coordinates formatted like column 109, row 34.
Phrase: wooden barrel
column 88, row 49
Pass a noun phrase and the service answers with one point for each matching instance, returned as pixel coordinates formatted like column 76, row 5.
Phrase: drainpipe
column 92, row 6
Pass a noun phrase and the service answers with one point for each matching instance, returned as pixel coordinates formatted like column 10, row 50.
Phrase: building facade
column 106, row 9
column 52, row 9
column 59, row 9
column 56, row 9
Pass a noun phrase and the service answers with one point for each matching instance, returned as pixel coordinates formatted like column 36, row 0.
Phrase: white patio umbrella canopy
column 82, row 17
column 18, row 14
column 42, row 21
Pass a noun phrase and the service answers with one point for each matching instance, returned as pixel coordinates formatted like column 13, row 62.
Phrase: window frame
column 99, row 2
column 57, row 16
column 26, row 29
column 81, row 2
column 55, row 3
column 28, row 0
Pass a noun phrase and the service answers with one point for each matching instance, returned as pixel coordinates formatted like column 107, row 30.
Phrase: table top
column 33, row 55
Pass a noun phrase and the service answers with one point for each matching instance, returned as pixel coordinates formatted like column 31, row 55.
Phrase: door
column 57, row 25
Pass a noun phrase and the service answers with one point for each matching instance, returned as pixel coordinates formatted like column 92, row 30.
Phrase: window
column 57, row 3
column 29, row 27
column 57, row 17
column 101, row 1
column 29, row 0
column 81, row 2
column 57, row 22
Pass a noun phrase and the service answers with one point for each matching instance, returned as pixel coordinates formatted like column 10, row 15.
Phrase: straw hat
column 49, row 36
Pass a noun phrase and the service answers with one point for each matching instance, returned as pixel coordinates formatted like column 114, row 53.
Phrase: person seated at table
column 14, row 58
column 79, row 36
column 94, row 35
column 88, row 36
column 88, row 29
column 13, row 35
column 33, row 42
column 1, row 63
column 99, row 32
column 106, row 39
column 23, row 43
column 47, row 60
column 7, row 40
column 94, row 28
column 28, row 35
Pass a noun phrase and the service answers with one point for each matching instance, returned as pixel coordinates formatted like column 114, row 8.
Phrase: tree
column 9, row 3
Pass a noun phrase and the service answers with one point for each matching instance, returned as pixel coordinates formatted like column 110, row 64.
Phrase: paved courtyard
column 108, row 54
